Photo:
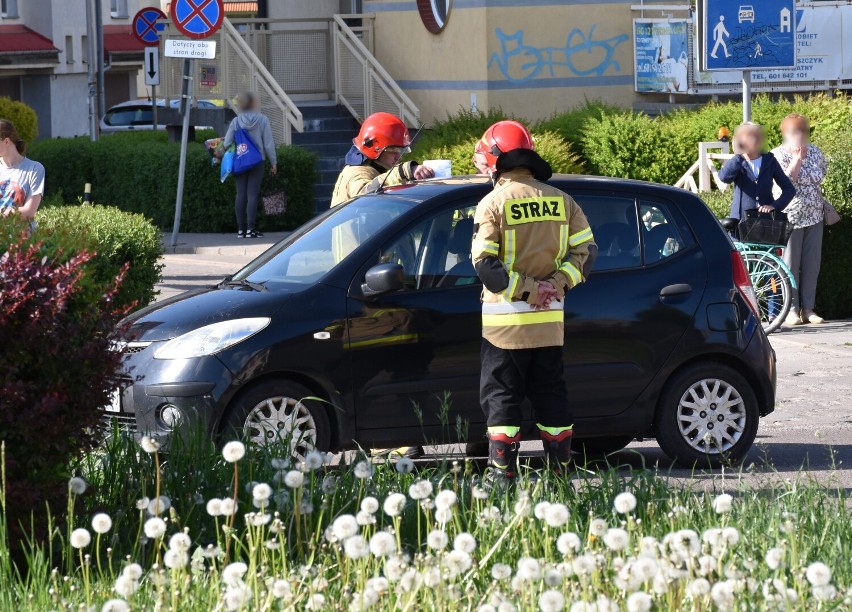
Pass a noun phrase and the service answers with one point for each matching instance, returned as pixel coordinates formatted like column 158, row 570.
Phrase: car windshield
column 309, row 255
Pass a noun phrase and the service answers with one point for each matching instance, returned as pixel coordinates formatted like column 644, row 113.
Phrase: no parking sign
column 198, row 18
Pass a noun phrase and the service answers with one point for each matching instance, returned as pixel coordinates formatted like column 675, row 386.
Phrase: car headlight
column 211, row 339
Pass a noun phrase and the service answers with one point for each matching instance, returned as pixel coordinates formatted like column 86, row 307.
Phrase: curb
column 227, row 251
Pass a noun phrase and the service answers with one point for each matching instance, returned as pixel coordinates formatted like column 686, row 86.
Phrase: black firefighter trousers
column 510, row 375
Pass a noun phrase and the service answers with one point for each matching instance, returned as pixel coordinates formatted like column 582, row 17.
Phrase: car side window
column 661, row 234
column 615, row 227
column 437, row 251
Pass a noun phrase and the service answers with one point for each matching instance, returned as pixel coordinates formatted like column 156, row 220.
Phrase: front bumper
column 195, row 389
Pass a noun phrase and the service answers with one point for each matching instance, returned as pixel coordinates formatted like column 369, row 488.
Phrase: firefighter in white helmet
column 532, row 244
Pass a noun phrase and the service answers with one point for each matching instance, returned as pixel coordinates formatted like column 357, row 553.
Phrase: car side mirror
column 383, row 278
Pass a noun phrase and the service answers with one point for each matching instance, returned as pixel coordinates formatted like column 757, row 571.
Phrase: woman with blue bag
column 251, row 135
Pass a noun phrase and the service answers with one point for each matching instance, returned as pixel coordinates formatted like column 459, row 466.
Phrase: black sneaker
column 241, row 234
column 254, row 234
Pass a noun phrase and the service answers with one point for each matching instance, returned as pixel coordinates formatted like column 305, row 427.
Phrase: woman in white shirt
column 21, row 179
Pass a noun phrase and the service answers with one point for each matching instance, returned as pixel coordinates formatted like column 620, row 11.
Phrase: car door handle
column 675, row 290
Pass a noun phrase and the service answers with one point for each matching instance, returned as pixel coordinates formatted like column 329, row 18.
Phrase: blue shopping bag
column 247, row 155
column 227, row 164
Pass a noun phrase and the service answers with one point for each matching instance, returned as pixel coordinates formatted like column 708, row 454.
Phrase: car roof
column 424, row 190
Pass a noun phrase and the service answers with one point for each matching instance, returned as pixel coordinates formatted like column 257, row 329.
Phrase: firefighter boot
column 557, row 447
column 503, row 446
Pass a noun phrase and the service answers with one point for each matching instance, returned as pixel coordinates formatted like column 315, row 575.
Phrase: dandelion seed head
column 180, row 541
column 774, row 558
column 540, row 509
column 818, row 574
column 233, row 451
column 294, row 479
column 382, row 544
column 314, row 460
column 444, row 515
column 77, row 486
column 133, row 571
column 556, row 515
column 639, row 601
column 159, row 505
column 437, row 540
column 125, row 585
column 227, row 507
column 824, row 592
column 356, row 547
column 568, row 543
column 344, row 526
column 624, row 503
column 281, row 589
column 523, row 507
column 394, row 504
column 365, row 518
column 261, row 492
column 379, row 584
column 457, row 562
column 479, row 493
column 501, row 571
column 155, row 528
column 723, row 503
column 101, row 523
column 232, row 574
column 363, row 470
column 80, row 538
column 370, row 504
column 446, row 499
column 598, row 527
column 723, row 594
column 645, row 568
column 698, row 588
column 315, row 602
column 115, row 605
column 616, row 539
column 529, row 569
column 465, row 542
column 551, row 601
column 583, row 565
column 420, row 490
column 142, row 503
column 329, row 484
column 553, row 577
column 175, row 559
column 236, row 597
column 149, row 445
column 404, row 465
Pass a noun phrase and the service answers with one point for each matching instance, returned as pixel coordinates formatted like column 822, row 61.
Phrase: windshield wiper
column 228, row 282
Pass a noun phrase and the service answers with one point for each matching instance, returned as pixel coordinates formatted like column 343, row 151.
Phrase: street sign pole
column 186, row 93
column 746, row 96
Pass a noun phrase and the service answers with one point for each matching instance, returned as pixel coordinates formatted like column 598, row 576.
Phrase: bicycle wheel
column 771, row 286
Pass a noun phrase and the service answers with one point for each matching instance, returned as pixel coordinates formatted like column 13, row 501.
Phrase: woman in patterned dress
column 806, row 166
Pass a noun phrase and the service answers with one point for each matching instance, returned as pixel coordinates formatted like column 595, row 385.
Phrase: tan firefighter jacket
column 538, row 233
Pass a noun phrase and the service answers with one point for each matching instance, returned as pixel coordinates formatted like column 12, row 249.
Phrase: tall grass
column 423, row 537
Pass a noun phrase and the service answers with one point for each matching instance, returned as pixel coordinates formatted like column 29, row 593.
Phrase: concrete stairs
column 329, row 130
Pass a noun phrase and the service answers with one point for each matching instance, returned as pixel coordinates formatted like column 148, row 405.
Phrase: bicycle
column 772, row 279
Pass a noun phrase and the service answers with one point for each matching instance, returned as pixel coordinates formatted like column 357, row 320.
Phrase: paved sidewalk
column 220, row 244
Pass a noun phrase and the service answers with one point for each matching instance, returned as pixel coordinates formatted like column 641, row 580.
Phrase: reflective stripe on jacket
column 538, row 233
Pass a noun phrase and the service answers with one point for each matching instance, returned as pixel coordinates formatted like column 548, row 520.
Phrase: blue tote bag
column 247, row 155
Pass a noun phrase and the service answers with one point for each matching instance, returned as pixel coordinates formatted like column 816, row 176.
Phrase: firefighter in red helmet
column 374, row 158
column 531, row 245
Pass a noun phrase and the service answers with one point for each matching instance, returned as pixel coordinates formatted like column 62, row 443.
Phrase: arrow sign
column 147, row 25
column 152, row 66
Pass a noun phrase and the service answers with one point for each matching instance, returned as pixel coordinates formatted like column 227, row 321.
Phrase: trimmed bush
column 56, row 368
column 22, row 117
column 571, row 124
column 118, row 238
column 139, row 175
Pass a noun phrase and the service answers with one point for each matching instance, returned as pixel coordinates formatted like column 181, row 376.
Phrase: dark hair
column 7, row 130
column 246, row 101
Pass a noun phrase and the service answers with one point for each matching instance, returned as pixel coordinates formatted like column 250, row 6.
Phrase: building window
column 84, row 44
column 9, row 9
column 118, row 9
column 69, row 49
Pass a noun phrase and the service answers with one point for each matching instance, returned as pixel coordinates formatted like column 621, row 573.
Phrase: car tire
column 707, row 416
column 596, row 448
column 279, row 411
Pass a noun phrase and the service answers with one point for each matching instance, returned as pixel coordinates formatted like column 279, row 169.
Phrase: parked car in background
column 311, row 345
column 138, row 115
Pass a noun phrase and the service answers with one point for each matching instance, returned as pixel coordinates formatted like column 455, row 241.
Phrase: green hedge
column 139, row 175
column 115, row 237
column 22, row 117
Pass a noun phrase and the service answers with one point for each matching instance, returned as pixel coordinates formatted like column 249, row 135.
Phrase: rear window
column 129, row 116
column 616, row 229
column 663, row 235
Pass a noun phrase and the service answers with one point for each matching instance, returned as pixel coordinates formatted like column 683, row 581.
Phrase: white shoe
column 792, row 319
column 813, row 318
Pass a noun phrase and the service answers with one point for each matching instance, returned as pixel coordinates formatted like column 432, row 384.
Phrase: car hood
column 183, row 313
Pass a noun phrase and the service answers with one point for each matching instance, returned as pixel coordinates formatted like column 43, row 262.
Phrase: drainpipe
column 99, row 53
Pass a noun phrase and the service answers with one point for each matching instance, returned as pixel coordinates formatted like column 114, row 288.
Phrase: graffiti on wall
column 584, row 54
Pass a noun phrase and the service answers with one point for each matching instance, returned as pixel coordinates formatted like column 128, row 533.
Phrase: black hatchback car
column 363, row 328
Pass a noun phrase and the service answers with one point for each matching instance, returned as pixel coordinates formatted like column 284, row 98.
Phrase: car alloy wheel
column 282, row 420
column 711, row 416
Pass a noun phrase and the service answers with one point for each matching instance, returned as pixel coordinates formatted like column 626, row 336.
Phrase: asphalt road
column 810, row 429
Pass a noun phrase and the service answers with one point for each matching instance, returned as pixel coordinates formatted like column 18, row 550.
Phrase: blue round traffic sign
column 198, row 18
column 147, row 25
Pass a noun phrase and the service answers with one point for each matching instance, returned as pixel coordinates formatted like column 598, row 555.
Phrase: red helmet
column 502, row 137
column 379, row 131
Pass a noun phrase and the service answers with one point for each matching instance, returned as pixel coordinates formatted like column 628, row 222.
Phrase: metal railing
column 362, row 85
column 236, row 69
column 706, row 168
